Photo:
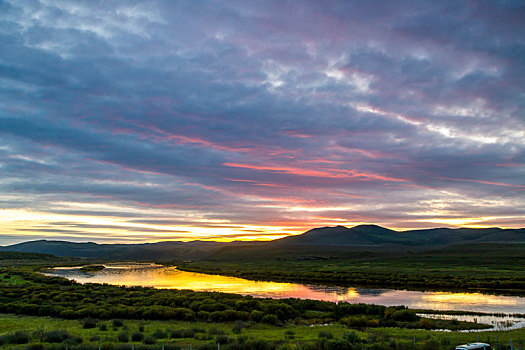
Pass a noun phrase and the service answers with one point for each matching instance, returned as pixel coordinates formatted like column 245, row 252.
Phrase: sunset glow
column 131, row 122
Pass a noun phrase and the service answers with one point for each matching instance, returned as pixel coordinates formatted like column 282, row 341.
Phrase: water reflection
column 500, row 323
column 158, row 276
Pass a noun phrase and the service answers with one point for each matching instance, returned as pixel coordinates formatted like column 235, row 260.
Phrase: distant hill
column 363, row 235
column 373, row 235
column 322, row 240
column 148, row 251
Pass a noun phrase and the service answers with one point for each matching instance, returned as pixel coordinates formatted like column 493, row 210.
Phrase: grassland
column 481, row 268
column 111, row 334
column 47, row 313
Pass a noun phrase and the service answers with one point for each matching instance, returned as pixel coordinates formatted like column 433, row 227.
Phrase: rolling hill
column 322, row 240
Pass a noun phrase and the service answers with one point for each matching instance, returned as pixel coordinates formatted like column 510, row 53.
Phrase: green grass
column 485, row 268
column 206, row 333
column 11, row 279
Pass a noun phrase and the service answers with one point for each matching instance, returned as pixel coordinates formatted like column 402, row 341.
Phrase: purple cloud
column 272, row 117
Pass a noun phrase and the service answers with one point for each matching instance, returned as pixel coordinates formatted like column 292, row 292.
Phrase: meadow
column 488, row 268
column 40, row 312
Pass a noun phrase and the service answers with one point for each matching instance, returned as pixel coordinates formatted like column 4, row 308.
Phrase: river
column 158, row 276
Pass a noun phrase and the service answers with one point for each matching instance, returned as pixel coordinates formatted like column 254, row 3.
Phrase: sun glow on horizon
column 31, row 224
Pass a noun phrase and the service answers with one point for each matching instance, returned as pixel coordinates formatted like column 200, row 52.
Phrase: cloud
column 233, row 116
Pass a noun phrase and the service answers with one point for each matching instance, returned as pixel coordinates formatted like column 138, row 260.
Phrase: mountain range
column 360, row 237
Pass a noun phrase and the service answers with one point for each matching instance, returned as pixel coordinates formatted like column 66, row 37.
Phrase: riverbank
column 493, row 270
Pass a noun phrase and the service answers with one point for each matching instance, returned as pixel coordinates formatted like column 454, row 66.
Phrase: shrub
column 256, row 315
column 181, row 333
column 351, row 337
column 289, row 334
column 137, row 336
column 149, row 340
column 237, row 327
column 34, row 347
column 215, row 331
column 221, row 339
column 103, row 327
column 160, row 334
column 117, row 323
column 123, row 337
column 74, row 340
column 404, row 315
column 57, row 336
column 269, row 319
column 95, row 338
column 89, row 323
column 19, row 337
column 325, row 334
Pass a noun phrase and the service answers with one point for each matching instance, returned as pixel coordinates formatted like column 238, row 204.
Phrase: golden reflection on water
column 150, row 275
column 171, row 278
column 468, row 299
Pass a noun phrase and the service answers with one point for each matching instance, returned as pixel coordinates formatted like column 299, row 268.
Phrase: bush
column 256, row 315
column 221, row 339
column 325, row 334
column 404, row 315
column 34, row 347
column 215, row 331
column 338, row 344
column 95, row 338
column 141, row 327
column 351, row 337
column 74, row 340
column 137, row 336
column 149, row 340
column 123, row 337
column 19, row 337
column 269, row 319
column 160, row 334
column 289, row 334
column 89, row 323
column 237, row 327
column 103, row 327
column 117, row 323
column 181, row 333
column 57, row 336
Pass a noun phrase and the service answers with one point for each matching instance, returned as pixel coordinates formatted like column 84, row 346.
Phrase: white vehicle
column 474, row 346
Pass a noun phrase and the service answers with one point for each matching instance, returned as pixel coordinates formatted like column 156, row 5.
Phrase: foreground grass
column 202, row 335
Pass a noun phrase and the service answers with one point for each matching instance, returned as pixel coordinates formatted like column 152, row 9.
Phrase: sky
column 140, row 121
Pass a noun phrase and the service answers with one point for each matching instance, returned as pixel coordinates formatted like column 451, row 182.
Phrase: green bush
column 137, row 336
column 160, row 334
column 19, row 337
column 123, row 337
column 181, row 333
column 351, row 337
column 56, row 336
column 325, row 334
column 150, row 340
column 404, row 315
column 117, row 323
column 270, row 319
column 89, row 323
column 256, row 315
column 289, row 334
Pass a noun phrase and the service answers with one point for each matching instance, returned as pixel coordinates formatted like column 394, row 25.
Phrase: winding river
column 158, row 276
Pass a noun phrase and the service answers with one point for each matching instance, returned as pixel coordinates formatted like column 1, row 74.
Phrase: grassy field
column 179, row 334
column 47, row 313
column 485, row 268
